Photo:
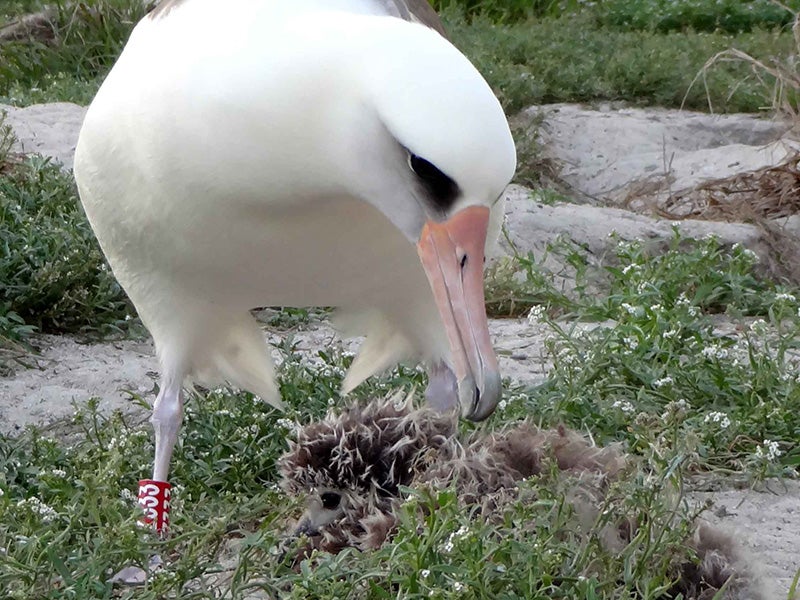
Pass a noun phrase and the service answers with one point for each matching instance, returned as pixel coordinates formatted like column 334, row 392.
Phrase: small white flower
column 629, row 268
column 718, row 417
column 783, row 296
column 46, row 513
column 631, row 342
column 768, row 450
column 656, row 308
column 567, row 356
column 624, row 406
column 425, row 573
column 631, row 310
column 287, row 424
column 331, row 402
column 683, row 301
column 714, row 351
column 535, row 315
column 458, row 586
column 625, row 246
column 448, row 546
column 663, row 381
column 502, row 405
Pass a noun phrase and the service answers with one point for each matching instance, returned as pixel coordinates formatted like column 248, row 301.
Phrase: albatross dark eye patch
column 441, row 189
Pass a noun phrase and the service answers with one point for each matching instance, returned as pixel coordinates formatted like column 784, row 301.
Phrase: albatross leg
column 154, row 494
column 167, row 419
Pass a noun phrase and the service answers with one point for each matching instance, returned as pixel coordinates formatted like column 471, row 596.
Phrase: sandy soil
column 69, row 371
column 767, row 523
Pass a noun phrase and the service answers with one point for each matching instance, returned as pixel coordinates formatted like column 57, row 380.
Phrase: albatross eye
column 442, row 190
column 330, row 500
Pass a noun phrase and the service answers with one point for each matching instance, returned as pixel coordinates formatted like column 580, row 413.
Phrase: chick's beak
column 305, row 527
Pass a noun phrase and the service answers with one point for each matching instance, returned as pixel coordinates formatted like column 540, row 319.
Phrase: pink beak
column 452, row 254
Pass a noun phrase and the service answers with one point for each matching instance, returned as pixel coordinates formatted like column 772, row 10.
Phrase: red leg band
column 154, row 497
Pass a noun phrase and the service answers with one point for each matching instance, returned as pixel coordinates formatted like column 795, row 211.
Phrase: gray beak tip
column 477, row 405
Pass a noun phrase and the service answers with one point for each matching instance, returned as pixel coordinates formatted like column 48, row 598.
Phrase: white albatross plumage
column 297, row 152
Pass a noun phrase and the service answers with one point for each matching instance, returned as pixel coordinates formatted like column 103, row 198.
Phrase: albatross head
column 434, row 154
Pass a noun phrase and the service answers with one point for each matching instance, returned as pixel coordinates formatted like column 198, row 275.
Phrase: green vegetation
column 730, row 16
column 572, row 60
column 679, row 395
column 657, row 372
column 54, row 276
column 715, row 279
column 67, row 57
column 643, row 52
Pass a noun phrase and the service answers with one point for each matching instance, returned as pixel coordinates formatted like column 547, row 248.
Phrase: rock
column 608, row 156
column 47, row 129
column 531, row 225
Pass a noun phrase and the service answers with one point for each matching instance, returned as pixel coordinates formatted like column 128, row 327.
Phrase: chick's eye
column 330, row 500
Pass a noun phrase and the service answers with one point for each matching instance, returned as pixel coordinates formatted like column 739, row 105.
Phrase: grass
column 731, row 16
column 778, row 74
column 652, row 372
column 715, row 278
column 537, row 62
column 574, row 54
column 86, row 39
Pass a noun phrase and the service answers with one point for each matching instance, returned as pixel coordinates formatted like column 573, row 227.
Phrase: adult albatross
column 297, row 152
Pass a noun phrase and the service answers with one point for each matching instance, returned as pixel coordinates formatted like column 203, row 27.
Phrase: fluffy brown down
column 364, row 455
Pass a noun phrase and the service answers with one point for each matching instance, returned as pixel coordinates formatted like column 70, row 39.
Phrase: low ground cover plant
column 54, row 276
column 656, row 374
column 642, row 52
